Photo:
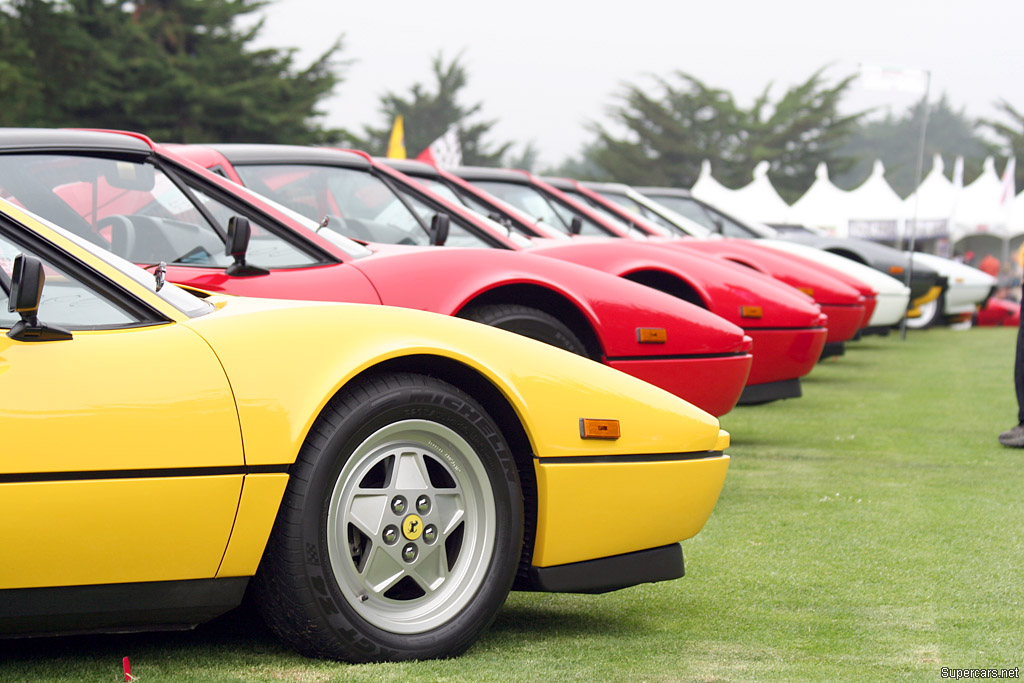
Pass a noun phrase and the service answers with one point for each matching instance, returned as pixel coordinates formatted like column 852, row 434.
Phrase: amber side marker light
column 651, row 335
column 896, row 270
column 809, row 291
column 751, row 312
column 599, row 429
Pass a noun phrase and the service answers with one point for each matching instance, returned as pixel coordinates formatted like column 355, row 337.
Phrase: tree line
column 186, row 71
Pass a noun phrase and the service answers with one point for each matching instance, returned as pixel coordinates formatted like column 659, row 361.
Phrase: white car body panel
column 893, row 296
column 967, row 287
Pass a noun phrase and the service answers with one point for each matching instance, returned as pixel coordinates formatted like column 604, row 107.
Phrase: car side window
column 266, row 249
column 458, row 234
column 66, row 301
column 695, row 212
column 730, row 228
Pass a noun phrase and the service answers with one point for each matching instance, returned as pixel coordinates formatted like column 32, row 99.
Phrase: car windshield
column 630, row 204
column 539, row 206
column 135, row 210
column 635, row 231
column 709, row 218
column 496, row 219
column 355, row 202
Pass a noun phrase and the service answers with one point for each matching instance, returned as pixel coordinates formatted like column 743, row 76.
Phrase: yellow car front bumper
column 598, row 519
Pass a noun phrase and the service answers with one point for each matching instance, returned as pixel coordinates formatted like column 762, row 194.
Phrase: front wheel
column 401, row 528
column 931, row 313
column 529, row 322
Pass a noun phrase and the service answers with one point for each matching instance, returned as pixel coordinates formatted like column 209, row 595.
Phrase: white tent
column 759, row 201
column 875, row 210
column 933, row 202
column 978, row 208
column 710, row 190
column 823, row 205
column 1017, row 214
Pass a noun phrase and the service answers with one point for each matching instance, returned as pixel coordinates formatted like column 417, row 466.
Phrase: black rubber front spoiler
column 609, row 573
column 832, row 349
column 770, row 391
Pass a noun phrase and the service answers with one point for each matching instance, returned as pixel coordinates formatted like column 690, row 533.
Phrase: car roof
column 410, row 167
column 664, row 191
column 483, row 173
column 611, row 188
column 559, row 182
column 241, row 153
column 43, row 139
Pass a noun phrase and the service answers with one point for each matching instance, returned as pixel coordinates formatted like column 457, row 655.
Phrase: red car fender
column 724, row 288
column 612, row 307
column 844, row 305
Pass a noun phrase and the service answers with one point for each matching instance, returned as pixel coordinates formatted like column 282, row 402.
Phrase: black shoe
column 1013, row 438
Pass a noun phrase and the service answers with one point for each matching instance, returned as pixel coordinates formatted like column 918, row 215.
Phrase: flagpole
column 917, row 195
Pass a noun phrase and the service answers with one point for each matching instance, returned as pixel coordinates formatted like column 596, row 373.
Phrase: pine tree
column 176, row 70
column 427, row 115
column 672, row 127
column 1013, row 136
column 896, row 141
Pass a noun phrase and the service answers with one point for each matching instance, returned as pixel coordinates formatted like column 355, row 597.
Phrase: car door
column 122, row 457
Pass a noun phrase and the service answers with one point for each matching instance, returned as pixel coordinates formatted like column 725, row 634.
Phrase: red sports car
column 827, row 288
column 779, row 353
column 381, row 204
column 844, row 305
column 122, row 192
column 998, row 313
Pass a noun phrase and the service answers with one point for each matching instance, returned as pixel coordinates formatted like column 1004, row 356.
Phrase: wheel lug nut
column 390, row 534
column 429, row 533
column 409, row 552
column 423, row 505
column 398, row 505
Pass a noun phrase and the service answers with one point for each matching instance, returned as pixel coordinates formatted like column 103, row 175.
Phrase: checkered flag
column 444, row 152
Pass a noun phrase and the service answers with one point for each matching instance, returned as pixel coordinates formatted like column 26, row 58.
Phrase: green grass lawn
column 873, row 529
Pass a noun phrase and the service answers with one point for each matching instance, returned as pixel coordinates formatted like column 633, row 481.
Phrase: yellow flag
column 396, row 143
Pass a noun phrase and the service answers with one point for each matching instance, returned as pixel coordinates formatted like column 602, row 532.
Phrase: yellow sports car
column 383, row 476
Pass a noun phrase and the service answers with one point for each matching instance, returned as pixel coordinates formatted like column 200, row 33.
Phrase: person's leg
column 1018, row 372
column 1015, row 437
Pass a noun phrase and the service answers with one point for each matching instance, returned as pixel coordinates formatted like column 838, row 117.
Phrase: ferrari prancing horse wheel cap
column 412, row 527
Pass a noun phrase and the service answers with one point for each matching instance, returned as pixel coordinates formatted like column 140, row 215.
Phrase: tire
column 931, row 313
column 529, row 322
column 338, row 579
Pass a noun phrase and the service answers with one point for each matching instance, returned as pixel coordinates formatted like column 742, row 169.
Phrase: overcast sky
column 544, row 70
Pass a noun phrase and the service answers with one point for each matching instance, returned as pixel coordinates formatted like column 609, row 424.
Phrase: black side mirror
column 575, row 226
column 27, row 280
column 239, row 233
column 439, row 225
column 26, row 292
column 237, row 244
